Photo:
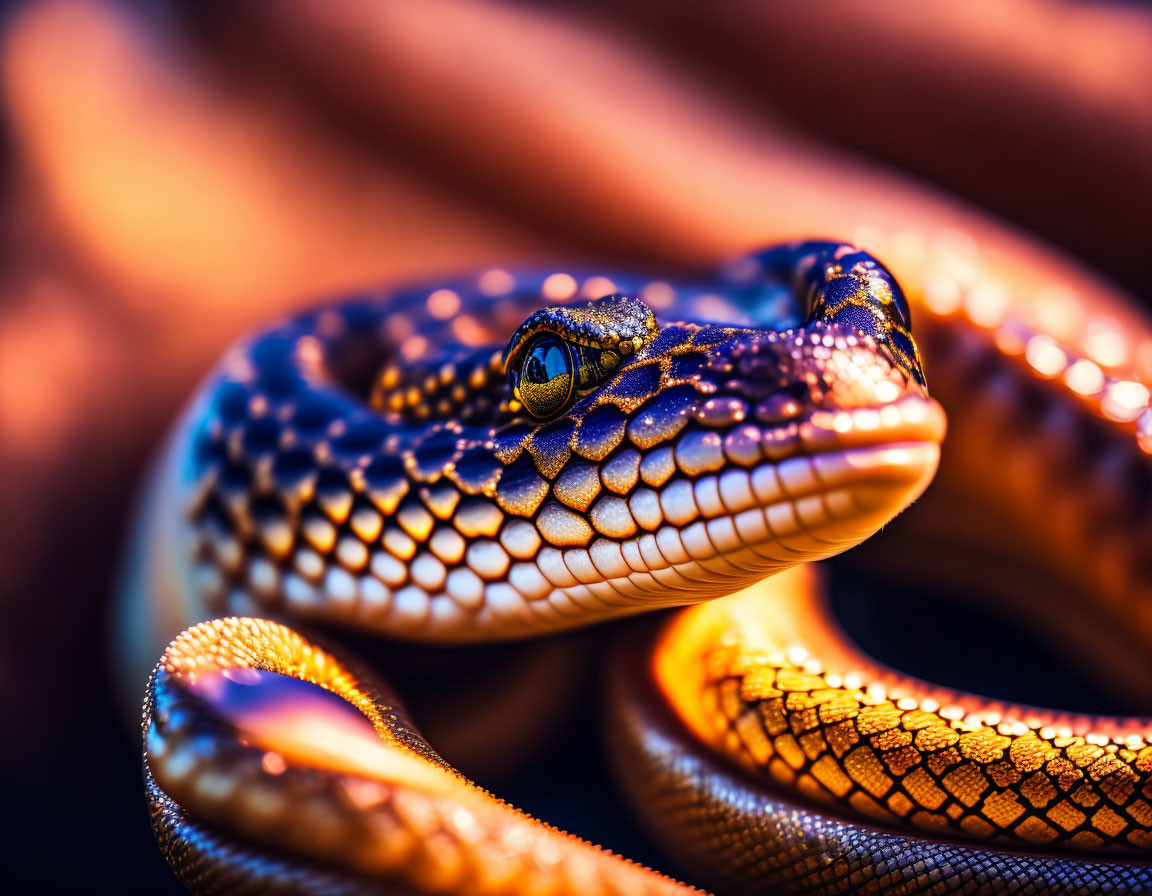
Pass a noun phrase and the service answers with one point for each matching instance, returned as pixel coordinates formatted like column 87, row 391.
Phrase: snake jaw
column 744, row 452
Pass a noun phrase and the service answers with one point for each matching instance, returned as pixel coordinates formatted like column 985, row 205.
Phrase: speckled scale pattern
column 209, row 861
column 461, row 383
column 363, row 465
column 209, row 858
column 907, row 764
column 605, row 322
column 732, row 833
column 350, row 459
column 843, row 285
column 368, row 465
column 419, row 828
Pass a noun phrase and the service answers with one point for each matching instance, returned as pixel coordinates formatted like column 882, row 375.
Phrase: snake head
column 660, row 445
column 678, row 461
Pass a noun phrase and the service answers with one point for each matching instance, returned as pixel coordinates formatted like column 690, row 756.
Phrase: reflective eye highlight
column 546, row 376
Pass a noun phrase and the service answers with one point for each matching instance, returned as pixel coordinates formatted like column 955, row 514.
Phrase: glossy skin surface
column 741, row 837
column 772, row 698
column 438, row 511
column 327, row 485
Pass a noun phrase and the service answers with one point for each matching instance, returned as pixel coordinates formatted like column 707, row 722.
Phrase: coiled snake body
column 386, row 464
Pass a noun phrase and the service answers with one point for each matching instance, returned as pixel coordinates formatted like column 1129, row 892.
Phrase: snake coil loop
column 354, row 470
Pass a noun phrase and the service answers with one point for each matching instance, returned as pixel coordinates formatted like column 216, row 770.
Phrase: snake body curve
column 386, row 464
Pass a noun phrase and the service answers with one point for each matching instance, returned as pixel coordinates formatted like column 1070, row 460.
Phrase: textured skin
column 738, row 836
column 904, row 755
column 386, row 817
column 349, row 468
column 450, row 516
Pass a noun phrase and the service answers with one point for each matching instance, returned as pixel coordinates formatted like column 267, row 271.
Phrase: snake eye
column 546, row 376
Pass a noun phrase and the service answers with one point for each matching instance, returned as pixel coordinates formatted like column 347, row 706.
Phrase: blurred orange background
column 175, row 174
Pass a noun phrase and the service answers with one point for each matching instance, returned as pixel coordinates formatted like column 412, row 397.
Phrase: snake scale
column 510, row 455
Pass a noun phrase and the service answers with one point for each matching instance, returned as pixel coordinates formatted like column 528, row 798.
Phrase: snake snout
column 797, row 445
column 762, row 450
column 867, row 447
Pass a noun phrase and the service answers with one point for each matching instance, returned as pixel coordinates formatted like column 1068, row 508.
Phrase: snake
column 500, row 457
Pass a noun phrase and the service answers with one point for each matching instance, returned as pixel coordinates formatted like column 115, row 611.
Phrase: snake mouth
column 833, row 482
column 836, row 480
column 866, row 464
